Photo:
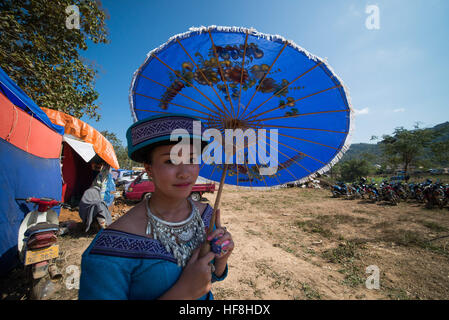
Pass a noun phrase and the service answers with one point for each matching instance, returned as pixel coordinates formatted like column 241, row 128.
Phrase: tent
column 81, row 142
column 30, row 147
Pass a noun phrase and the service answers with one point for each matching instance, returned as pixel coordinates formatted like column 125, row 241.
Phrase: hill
column 443, row 129
column 359, row 150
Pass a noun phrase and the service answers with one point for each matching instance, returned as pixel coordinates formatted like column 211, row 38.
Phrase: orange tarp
column 86, row 133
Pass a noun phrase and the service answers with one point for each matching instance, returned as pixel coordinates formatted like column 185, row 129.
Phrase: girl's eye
column 192, row 159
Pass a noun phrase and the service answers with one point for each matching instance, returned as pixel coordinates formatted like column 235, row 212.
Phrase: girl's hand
column 195, row 279
column 224, row 238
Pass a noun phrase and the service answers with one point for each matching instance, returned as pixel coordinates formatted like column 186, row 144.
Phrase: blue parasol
column 238, row 78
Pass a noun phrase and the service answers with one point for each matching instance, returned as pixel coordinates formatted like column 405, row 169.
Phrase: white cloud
column 399, row 110
column 354, row 11
column 358, row 112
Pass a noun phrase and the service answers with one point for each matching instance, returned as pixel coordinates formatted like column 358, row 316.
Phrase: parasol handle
column 205, row 248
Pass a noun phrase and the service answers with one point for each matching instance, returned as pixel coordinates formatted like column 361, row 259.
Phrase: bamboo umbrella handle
column 205, row 248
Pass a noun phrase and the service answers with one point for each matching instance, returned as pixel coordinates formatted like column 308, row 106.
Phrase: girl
column 152, row 252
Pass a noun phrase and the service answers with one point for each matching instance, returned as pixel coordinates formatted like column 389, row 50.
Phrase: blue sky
column 395, row 74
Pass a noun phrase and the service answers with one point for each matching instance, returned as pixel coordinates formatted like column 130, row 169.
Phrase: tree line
column 403, row 149
column 120, row 151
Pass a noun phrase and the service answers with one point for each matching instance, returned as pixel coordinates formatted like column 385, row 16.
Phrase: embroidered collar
column 122, row 244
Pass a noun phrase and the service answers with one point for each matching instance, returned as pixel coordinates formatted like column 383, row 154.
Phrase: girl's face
column 174, row 181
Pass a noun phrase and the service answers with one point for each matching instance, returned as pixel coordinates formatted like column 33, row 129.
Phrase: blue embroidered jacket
column 119, row 266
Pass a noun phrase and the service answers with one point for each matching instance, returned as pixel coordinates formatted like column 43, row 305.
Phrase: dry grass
column 330, row 242
column 303, row 244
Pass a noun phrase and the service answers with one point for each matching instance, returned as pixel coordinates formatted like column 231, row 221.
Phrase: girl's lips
column 182, row 185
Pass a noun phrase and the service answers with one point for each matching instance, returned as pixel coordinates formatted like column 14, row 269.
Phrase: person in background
column 104, row 181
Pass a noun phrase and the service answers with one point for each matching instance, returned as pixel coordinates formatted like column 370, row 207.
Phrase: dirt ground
column 295, row 243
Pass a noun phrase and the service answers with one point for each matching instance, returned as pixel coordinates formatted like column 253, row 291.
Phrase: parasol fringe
column 276, row 38
column 130, row 96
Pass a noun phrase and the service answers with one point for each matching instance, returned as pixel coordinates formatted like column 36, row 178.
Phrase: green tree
column 112, row 138
column 354, row 169
column 440, row 152
column 41, row 54
column 405, row 147
column 120, row 151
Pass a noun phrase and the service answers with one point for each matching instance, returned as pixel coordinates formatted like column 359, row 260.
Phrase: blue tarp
column 22, row 175
column 21, row 100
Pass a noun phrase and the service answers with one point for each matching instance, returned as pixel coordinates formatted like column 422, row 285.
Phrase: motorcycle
column 400, row 190
column 37, row 244
column 419, row 192
column 435, row 195
column 388, row 194
column 372, row 192
column 412, row 193
column 357, row 191
column 340, row 189
column 446, row 194
column 363, row 187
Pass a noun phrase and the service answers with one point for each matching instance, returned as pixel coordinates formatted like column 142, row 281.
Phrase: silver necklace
column 179, row 238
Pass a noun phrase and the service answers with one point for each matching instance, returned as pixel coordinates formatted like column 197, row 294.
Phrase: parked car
column 142, row 185
column 126, row 177
column 118, row 173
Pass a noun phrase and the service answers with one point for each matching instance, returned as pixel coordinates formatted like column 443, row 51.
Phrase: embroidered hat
column 157, row 130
